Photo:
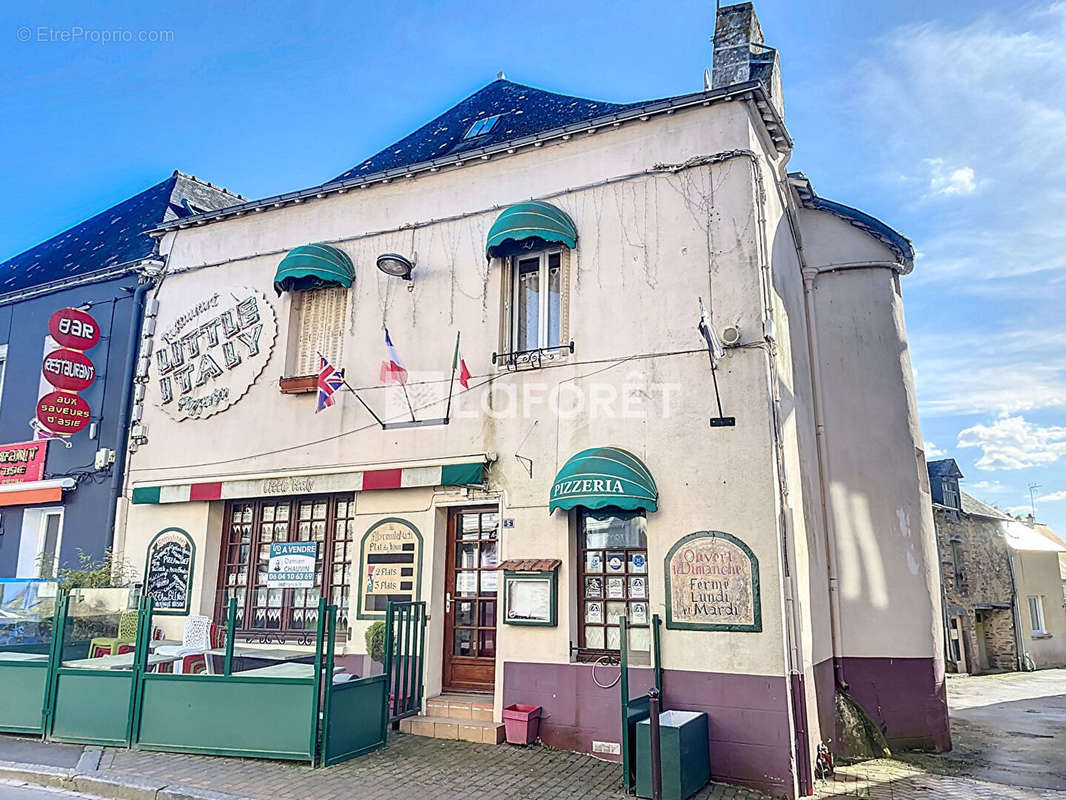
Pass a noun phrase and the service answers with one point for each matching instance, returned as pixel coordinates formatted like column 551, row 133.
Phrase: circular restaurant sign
column 210, row 349
column 74, row 329
column 69, row 369
column 62, row 412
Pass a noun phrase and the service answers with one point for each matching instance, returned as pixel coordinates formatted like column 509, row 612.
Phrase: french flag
column 392, row 370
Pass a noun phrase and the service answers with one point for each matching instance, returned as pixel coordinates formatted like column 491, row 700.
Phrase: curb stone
column 108, row 785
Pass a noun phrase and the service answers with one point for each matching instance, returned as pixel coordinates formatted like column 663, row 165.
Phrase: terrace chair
column 199, row 636
column 114, row 645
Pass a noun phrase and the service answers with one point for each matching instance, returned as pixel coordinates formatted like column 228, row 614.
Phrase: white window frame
column 32, row 539
column 1036, row 613
column 543, row 256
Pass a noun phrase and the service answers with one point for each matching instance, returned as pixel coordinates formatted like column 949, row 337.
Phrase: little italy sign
column 211, row 352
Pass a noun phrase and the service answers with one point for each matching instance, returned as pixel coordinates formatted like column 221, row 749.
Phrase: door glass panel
column 489, row 580
column 469, row 526
column 464, row 612
column 488, row 614
column 466, row 555
column 487, row 644
column 464, row 642
column 488, row 555
column 490, row 522
column 465, row 584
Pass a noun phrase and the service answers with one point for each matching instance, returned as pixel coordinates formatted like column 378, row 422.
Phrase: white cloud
column 980, row 97
column 948, row 182
column 1014, row 443
column 988, row 486
column 932, row 451
column 1054, row 497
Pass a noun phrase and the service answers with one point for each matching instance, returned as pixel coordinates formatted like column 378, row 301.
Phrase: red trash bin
column 521, row 723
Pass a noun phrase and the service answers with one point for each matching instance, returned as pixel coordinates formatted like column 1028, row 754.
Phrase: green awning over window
column 529, row 225
column 604, row 476
column 313, row 266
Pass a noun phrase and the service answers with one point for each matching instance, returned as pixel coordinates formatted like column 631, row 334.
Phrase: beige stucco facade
column 1037, row 576
column 822, row 476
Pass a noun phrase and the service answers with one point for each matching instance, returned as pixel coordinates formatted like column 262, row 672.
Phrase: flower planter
column 521, row 723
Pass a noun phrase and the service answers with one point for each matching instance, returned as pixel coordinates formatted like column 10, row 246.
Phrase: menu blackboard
column 168, row 571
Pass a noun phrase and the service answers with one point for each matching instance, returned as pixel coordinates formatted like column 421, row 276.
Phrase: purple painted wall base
column 906, row 697
column 748, row 715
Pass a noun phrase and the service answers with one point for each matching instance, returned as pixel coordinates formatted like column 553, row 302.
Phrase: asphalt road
column 1010, row 728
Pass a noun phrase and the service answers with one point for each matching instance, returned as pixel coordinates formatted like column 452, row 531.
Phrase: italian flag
column 458, row 362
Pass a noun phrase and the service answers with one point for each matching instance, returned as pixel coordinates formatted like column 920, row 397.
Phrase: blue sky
column 945, row 119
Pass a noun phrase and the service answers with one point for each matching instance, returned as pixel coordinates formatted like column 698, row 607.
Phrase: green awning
column 313, row 266
column 601, row 477
column 526, row 225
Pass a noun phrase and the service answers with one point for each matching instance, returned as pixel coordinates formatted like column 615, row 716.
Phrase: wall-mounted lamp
column 396, row 265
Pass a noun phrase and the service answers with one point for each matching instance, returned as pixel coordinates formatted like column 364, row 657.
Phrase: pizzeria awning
column 313, row 266
column 529, row 225
column 604, row 476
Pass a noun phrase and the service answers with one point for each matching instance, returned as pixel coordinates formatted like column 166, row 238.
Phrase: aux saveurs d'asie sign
column 69, row 370
column 211, row 351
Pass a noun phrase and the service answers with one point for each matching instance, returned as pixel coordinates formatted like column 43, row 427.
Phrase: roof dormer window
column 481, row 127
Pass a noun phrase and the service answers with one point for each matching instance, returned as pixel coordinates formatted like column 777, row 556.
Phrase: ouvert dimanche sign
column 712, row 583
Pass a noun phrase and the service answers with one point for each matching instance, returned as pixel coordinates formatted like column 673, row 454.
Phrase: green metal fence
column 293, row 711
column 405, row 643
column 27, row 623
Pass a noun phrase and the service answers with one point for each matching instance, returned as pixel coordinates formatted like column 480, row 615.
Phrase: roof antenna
column 500, row 76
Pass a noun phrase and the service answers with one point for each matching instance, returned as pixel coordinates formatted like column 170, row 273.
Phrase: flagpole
column 348, row 386
column 451, row 380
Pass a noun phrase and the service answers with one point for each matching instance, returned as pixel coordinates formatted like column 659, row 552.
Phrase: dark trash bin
column 683, row 749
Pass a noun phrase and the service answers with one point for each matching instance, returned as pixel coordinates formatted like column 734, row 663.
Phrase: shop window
column 535, row 305
column 317, row 325
column 613, row 579
column 250, row 527
column 1036, row 615
column 39, row 543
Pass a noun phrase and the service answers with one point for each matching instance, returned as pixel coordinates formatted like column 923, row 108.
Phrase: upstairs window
column 317, row 326
column 951, row 493
column 536, row 301
column 1036, row 615
column 956, row 560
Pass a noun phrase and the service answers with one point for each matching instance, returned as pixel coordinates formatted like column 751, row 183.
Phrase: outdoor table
column 265, row 653
column 283, row 670
column 123, row 661
column 22, row 656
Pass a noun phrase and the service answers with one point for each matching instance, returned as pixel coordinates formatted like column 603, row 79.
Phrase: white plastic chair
column 195, row 640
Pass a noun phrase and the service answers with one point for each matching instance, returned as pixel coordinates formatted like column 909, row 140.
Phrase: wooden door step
column 470, row 730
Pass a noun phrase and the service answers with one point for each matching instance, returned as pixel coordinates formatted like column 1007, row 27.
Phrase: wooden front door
column 470, row 601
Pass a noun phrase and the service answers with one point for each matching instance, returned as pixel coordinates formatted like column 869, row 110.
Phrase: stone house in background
column 1001, row 582
column 976, row 576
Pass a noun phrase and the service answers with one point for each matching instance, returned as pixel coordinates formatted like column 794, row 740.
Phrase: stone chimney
column 740, row 54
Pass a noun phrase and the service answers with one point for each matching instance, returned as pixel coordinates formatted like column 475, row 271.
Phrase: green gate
column 405, row 642
column 92, row 700
column 27, row 623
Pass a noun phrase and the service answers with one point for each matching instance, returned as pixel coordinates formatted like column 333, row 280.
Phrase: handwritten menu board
column 168, row 571
column 712, row 584
column 390, row 566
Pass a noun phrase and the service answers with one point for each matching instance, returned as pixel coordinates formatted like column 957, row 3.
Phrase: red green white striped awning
column 316, row 483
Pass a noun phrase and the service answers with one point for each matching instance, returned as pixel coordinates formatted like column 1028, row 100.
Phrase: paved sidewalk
column 411, row 768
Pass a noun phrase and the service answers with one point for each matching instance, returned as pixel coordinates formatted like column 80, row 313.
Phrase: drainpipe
column 118, row 469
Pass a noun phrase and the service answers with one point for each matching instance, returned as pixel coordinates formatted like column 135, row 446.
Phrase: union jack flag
column 329, row 381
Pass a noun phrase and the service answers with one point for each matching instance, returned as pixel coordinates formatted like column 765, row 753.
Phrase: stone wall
column 982, row 587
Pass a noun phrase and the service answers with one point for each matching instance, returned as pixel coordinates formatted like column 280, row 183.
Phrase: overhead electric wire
column 488, row 379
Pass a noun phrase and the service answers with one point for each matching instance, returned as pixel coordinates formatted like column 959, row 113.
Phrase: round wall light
column 396, row 265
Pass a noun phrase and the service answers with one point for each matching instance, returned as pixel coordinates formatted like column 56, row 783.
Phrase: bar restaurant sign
column 712, row 584
column 390, row 566
column 211, row 351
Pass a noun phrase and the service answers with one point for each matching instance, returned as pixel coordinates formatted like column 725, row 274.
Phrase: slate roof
column 895, row 241
column 942, row 467
column 523, row 110
column 113, row 237
column 974, row 507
